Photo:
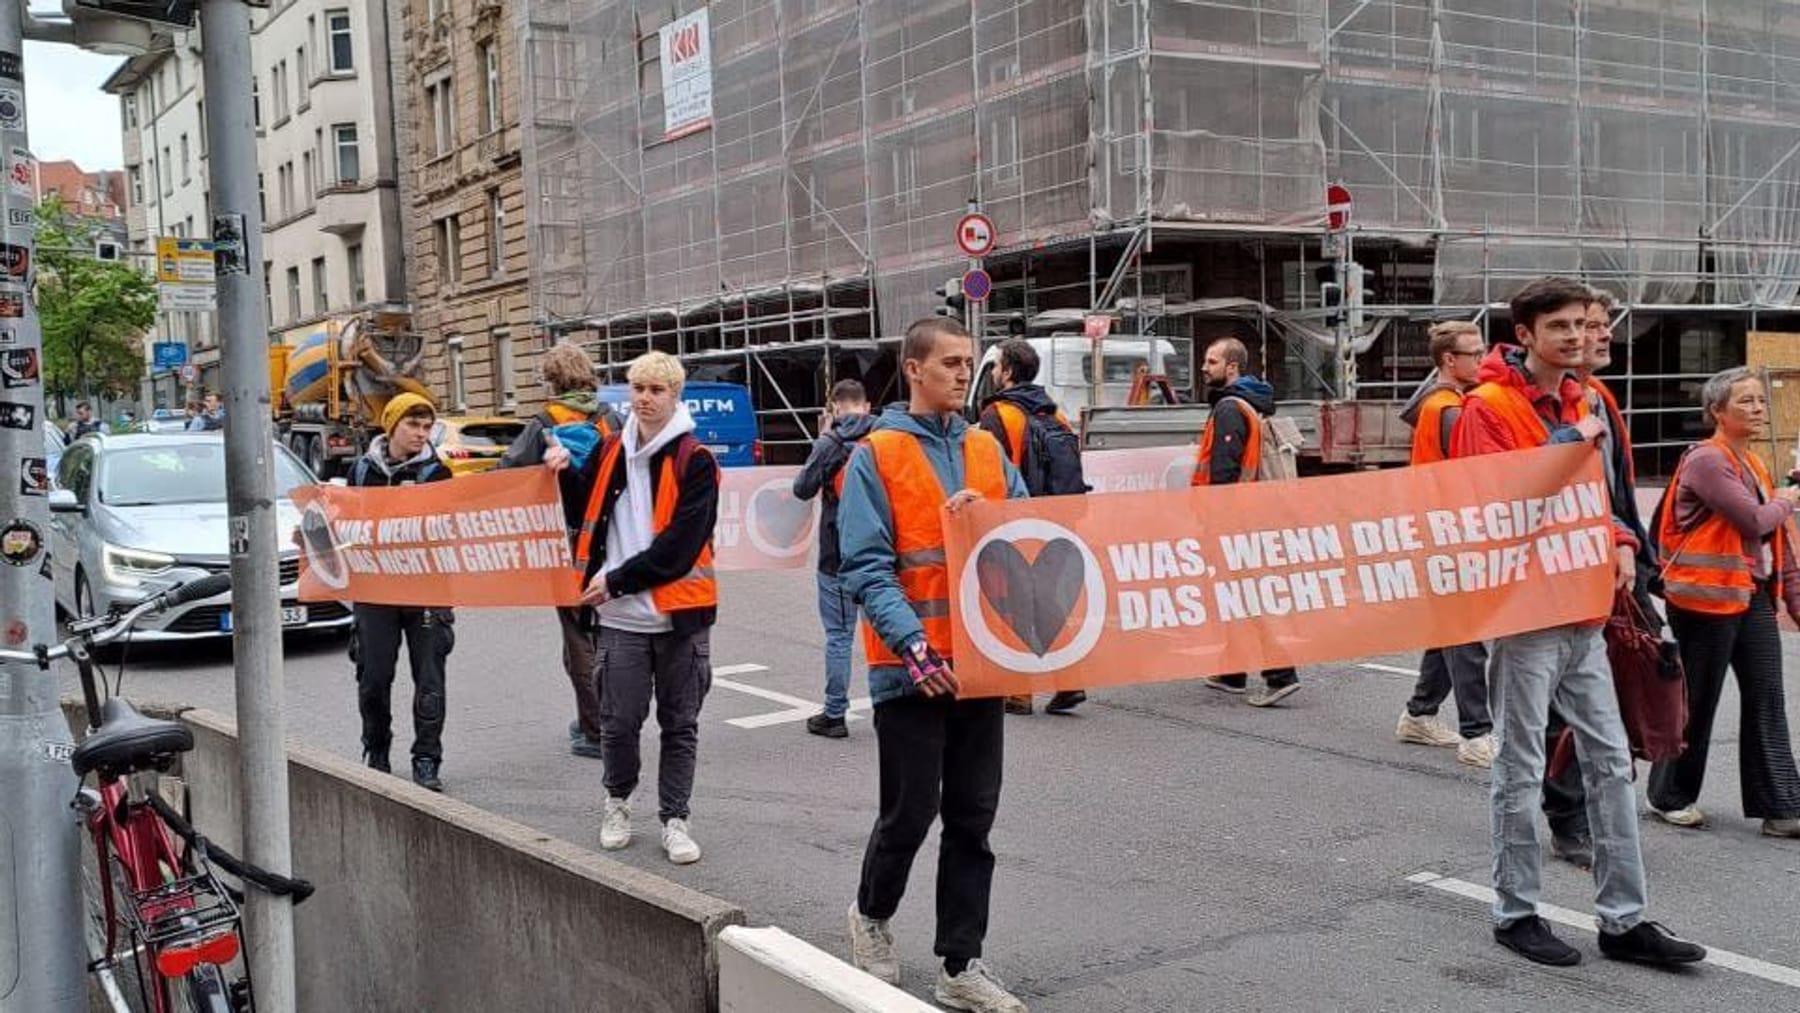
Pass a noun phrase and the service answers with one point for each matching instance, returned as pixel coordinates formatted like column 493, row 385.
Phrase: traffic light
column 955, row 304
column 107, row 250
column 1331, row 293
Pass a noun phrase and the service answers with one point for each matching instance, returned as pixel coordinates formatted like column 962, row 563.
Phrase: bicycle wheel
column 120, row 975
column 202, row 991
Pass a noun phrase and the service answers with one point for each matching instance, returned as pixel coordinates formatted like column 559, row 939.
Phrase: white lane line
column 1390, row 669
column 797, row 709
column 1576, row 920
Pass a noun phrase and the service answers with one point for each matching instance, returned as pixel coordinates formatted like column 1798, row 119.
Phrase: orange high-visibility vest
column 1516, row 410
column 561, row 414
column 1018, row 429
column 1427, row 445
column 699, row 588
column 1707, row 570
column 916, row 498
column 1252, row 444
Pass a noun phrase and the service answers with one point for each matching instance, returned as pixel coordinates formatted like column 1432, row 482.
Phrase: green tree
column 93, row 313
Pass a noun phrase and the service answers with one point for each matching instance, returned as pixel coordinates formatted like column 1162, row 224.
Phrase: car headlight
column 130, row 567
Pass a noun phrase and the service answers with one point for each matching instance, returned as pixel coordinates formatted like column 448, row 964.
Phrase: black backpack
column 1052, row 456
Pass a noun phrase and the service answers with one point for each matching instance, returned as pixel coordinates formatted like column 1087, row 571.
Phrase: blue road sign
column 169, row 355
column 977, row 285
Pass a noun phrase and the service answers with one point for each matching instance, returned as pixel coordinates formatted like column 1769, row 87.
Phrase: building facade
column 328, row 170
column 465, row 203
column 98, row 196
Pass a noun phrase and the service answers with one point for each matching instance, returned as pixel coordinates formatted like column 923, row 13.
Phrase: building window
column 301, row 83
column 490, row 92
column 337, row 38
column 309, row 180
column 349, row 168
column 506, row 388
column 137, row 185
column 256, row 101
column 129, row 104
column 278, row 83
column 443, row 122
column 321, row 300
column 284, row 183
column 168, row 185
column 449, row 247
column 459, row 377
column 269, row 291
column 496, row 234
column 200, row 111
column 353, row 259
column 293, row 280
column 187, row 169
column 262, row 200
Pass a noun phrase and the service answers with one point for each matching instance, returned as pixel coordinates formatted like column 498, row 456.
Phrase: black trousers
column 939, row 757
column 1750, row 646
column 429, row 635
column 1273, row 676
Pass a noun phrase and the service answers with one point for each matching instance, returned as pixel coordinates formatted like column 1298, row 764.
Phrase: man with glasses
column 1456, row 350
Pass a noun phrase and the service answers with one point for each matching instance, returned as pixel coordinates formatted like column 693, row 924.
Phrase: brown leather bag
column 1651, row 685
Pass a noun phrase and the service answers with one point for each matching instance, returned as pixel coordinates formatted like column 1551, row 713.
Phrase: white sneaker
column 615, row 824
column 1424, row 731
column 1477, row 752
column 872, row 946
column 976, row 990
column 680, row 846
column 1686, row 817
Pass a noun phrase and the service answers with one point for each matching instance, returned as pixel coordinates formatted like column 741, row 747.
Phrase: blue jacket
column 866, row 535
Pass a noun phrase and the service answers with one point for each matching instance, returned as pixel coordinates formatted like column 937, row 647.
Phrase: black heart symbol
column 322, row 548
column 781, row 517
column 1035, row 598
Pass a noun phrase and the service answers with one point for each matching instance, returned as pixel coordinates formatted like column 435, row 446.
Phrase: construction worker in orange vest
column 1041, row 444
column 1230, row 451
column 1457, row 348
column 939, row 756
column 646, row 562
column 569, row 374
column 1527, row 398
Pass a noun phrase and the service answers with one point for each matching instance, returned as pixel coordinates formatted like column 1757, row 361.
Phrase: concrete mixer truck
column 331, row 383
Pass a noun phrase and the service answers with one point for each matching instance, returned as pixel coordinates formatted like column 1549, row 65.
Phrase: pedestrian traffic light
column 107, row 250
column 955, row 304
column 1331, row 293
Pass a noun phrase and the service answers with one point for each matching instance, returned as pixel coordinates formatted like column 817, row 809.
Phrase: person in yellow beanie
column 401, row 456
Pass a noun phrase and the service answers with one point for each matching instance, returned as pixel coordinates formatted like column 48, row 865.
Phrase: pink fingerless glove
column 921, row 661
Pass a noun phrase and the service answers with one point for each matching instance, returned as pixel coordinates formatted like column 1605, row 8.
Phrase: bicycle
column 164, row 919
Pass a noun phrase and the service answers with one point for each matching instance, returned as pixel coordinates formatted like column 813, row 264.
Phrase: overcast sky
column 66, row 112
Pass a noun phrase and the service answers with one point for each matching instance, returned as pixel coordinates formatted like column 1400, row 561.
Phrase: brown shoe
column 1018, row 705
column 1781, row 828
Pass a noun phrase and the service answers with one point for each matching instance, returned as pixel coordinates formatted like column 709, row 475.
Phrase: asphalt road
column 1166, row 848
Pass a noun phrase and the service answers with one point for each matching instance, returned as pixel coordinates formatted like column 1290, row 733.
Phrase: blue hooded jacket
column 866, row 535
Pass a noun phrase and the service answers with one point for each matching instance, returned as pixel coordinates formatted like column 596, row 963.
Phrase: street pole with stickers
column 42, row 946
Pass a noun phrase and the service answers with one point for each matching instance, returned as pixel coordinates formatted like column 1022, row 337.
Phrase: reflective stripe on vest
column 1252, row 444
column 699, row 587
column 916, row 499
column 1706, row 569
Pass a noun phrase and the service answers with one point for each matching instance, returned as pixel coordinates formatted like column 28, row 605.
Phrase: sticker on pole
column 18, row 368
column 21, row 174
column 12, row 109
column 9, row 67
column 34, row 477
column 975, row 235
column 20, row 542
column 978, row 285
column 15, row 261
column 1338, row 206
column 17, row 415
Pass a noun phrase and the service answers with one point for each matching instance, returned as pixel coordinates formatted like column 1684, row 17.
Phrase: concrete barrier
column 769, row 971
column 426, row 903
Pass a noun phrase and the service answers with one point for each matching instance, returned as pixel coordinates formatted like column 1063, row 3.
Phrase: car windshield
column 486, row 435
column 180, row 473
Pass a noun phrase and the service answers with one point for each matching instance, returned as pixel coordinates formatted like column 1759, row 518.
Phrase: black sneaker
column 586, row 747
column 1577, row 851
column 831, row 728
column 425, row 773
column 1530, row 938
column 377, row 759
column 1650, row 943
column 1018, row 704
column 1066, row 701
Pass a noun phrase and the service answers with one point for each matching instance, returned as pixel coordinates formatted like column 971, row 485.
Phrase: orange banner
column 761, row 525
column 1077, row 592
column 495, row 539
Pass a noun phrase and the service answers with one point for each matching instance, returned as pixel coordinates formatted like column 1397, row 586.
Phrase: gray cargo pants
column 675, row 669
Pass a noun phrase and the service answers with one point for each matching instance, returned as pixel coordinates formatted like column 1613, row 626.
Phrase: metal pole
column 250, row 482
column 42, row 967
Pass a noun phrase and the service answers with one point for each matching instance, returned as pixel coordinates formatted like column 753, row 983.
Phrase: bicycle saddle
column 127, row 741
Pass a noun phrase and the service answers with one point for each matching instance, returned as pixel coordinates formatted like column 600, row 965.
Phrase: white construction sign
column 687, row 75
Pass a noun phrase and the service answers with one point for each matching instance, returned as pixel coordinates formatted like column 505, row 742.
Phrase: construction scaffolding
column 1157, row 155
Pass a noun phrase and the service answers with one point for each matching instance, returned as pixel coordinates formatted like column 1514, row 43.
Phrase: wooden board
column 1779, row 354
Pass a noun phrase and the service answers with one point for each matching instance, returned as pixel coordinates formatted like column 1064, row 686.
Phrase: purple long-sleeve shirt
column 1712, row 483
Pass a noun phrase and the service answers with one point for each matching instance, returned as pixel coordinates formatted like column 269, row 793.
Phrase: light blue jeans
column 838, row 613
column 1527, row 672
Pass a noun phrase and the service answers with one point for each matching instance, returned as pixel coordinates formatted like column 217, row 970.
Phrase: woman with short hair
column 1728, row 558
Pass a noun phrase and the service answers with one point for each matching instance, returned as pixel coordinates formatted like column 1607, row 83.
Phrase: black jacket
column 1231, row 429
column 830, row 453
column 372, row 468
column 1030, row 398
column 673, row 552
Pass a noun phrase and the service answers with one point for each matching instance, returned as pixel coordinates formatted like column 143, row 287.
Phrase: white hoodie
column 630, row 531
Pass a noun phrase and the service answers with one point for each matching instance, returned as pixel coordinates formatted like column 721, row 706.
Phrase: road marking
column 1576, row 920
column 1390, row 669
column 797, row 709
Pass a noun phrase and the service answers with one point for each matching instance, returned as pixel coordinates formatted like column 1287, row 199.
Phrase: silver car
column 132, row 515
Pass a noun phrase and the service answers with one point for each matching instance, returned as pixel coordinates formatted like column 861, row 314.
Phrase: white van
column 1066, row 369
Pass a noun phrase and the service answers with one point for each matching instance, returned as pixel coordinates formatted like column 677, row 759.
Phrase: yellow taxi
column 470, row 445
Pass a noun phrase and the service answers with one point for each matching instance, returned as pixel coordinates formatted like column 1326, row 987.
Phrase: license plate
column 292, row 615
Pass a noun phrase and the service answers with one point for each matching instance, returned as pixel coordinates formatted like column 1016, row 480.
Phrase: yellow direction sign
column 182, row 261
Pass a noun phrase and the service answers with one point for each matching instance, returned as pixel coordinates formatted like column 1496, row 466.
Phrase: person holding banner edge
column 1230, row 451
column 1528, row 399
column 938, row 755
column 402, row 456
column 1457, row 348
column 646, row 562
column 823, row 476
column 569, row 374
